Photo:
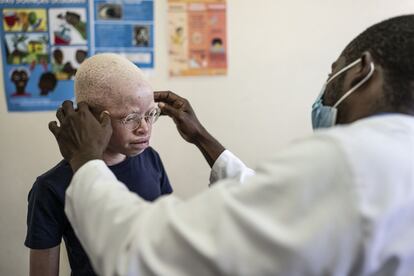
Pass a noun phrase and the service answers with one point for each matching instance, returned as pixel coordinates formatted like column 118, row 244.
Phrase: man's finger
column 169, row 110
column 53, row 127
column 59, row 115
column 83, row 106
column 178, row 104
column 160, row 95
column 67, row 107
column 166, row 97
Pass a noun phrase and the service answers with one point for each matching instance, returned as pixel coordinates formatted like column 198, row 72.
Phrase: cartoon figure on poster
column 197, row 60
column 178, row 37
column 24, row 20
column 217, row 45
column 20, row 77
column 47, row 83
column 179, row 40
column 26, row 48
column 66, row 60
column 68, row 26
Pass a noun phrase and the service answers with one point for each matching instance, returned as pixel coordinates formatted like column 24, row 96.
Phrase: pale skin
column 123, row 143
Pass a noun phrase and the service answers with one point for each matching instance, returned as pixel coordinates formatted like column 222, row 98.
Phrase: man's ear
column 362, row 69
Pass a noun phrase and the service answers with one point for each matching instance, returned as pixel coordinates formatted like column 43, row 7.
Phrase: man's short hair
column 391, row 43
column 105, row 80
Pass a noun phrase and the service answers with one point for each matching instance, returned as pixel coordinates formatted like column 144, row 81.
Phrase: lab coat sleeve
column 228, row 165
column 103, row 212
column 294, row 217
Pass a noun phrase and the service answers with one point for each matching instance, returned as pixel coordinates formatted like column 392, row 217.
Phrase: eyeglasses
column 134, row 120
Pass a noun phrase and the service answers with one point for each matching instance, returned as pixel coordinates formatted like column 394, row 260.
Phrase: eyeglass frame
column 138, row 119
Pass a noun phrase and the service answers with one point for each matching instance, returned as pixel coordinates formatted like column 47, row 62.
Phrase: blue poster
column 45, row 41
column 125, row 27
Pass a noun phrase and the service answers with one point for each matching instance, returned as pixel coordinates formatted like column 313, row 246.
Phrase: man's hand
column 81, row 137
column 180, row 110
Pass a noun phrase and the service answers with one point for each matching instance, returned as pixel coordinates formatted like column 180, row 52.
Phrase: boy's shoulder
column 56, row 180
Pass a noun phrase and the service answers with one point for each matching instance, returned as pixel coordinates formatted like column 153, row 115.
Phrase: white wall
column 280, row 53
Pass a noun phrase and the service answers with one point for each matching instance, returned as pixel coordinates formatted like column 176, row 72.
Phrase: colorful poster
column 197, row 37
column 45, row 41
column 125, row 27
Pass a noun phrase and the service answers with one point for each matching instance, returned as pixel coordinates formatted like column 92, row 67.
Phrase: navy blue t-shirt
column 47, row 223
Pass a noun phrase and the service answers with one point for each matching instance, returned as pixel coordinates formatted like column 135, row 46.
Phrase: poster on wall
column 42, row 46
column 125, row 27
column 45, row 41
column 197, row 37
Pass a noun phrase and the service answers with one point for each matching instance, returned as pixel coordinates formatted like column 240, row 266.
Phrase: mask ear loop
column 371, row 72
column 343, row 70
column 335, row 75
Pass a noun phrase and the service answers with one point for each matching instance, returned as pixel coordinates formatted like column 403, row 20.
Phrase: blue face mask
column 324, row 116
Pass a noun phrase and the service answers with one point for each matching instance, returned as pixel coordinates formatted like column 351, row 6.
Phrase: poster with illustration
column 197, row 37
column 44, row 43
column 42, row 46
column 131, row 25
column 24, row 20
column 68, row 26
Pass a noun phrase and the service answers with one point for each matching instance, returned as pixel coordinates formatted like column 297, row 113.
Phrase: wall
column 280, row 53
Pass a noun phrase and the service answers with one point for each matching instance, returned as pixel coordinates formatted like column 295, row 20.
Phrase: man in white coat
column 340, row 202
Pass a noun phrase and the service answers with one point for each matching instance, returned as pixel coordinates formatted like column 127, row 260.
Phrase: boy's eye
column 130, row 118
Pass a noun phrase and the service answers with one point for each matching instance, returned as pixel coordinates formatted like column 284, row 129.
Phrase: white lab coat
column 340, row 202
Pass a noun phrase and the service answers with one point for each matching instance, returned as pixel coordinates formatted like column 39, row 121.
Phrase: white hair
column 107, row 79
